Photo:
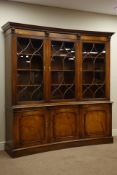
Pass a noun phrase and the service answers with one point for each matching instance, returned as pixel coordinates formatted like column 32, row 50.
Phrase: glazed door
column 95, row 70
column 63, row 64
column 29, row 62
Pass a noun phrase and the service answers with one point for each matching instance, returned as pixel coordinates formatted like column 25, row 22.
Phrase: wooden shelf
column 60, row 70
column 93, row 84
column 67, row 55
column 33, row 70
column 28, row 54
column 93, row 57
column 28, row 85
column 93, row 70
column 59, row 84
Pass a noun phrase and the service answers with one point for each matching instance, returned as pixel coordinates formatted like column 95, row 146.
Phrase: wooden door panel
column 64, row 123
column 95, row 123
column 95, row 120
column 31, row 127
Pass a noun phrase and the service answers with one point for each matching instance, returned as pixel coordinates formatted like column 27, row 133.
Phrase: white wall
column 56, row 17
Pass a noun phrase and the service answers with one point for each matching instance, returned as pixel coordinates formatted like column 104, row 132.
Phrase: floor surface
column 86, row 160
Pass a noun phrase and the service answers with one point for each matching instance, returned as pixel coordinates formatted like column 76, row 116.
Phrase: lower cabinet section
column 55, row 127
column 45, row 126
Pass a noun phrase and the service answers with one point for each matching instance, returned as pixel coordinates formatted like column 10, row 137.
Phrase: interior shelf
column 93, row 84
column 63, row 70
column 93, row 70
column 28, row 54
column 65, row 84
column 28, row 85
column 37, row 70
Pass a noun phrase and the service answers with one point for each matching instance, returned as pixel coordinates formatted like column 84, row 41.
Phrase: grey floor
column 87, row 160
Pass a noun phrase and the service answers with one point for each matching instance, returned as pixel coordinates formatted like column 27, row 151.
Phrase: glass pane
column 29, row 69
column 29, row 93
column 93, row 70
column 62, row 70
